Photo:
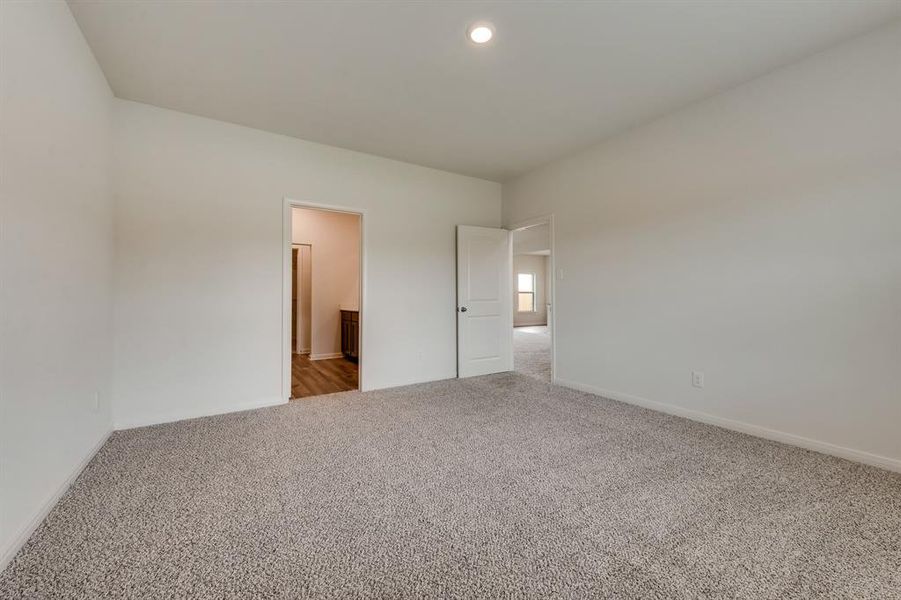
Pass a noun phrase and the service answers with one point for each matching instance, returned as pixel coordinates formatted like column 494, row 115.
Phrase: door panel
column 484, row 308
column 483, row 343
column 484, row 257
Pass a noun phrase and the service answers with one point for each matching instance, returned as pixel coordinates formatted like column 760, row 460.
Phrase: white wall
column 335, row 280
column 755, row 236
column 199, row 260
column 536, row 264
column 55, row 260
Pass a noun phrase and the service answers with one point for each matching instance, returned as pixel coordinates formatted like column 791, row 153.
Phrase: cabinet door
column 354, row 338
column 345, row 334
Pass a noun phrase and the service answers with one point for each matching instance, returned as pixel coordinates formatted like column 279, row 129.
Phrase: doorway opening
column 324, row 300
column 533, row 283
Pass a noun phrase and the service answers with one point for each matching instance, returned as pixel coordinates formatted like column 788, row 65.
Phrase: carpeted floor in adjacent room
column 532, row 351
column 498, row 486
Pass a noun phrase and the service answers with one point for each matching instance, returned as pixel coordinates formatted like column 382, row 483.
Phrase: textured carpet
column 499, row 486
column 532, row 352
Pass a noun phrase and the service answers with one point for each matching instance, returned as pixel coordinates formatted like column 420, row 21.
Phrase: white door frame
column 287, row 243
column 552, row 293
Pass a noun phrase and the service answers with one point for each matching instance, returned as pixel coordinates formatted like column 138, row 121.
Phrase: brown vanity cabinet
column 350, row 334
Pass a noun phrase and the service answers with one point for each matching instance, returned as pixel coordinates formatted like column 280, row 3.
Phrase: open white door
column 484, row 301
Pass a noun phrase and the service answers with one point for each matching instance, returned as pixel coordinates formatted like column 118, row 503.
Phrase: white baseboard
column 883, row 462
column 326, row 356
column 44, row 509
column 194, row 414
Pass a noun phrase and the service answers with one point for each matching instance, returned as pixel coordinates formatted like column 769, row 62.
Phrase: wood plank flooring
column 317, row 377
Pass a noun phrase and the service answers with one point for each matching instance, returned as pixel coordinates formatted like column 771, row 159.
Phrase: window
column 525, row 292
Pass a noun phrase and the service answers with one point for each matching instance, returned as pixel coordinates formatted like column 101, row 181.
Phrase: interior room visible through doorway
column 325, row 301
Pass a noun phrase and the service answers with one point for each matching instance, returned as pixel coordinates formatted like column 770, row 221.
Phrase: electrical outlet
column 697, row 379
column 95, row 406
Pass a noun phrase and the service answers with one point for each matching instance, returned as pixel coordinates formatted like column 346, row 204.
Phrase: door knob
column 462, row 309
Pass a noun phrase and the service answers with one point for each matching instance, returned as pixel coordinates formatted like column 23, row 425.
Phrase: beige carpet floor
column 498, row 486
column 532, row 352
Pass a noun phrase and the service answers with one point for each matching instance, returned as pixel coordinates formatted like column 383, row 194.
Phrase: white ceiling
column 399, row 79
column 534, row 240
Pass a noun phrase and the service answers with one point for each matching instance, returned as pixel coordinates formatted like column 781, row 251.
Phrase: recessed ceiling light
column 480, row 33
